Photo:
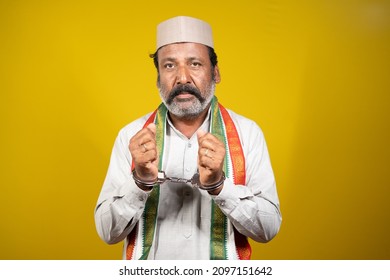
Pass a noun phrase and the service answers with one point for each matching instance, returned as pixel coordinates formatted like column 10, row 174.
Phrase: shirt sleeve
column 121, row 202
column 253, row 209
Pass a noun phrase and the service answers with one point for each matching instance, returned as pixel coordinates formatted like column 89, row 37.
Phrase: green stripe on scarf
column 151, row 207
column 218, row 230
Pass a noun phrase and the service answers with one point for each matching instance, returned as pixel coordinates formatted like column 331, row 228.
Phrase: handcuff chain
column 194, row 181
column 162, row 177
column 177, row 180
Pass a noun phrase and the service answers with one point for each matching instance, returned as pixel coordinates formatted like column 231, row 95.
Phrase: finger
column 206, row 152
column 207, row 145
column 152, row 128
column 211, row 161
column 210, row 141
column 146, row 135
column 141, row 146
column 200, row 133
column 147, row 157
column 209, row 158
column 143, row 136
column 146, row 164
column 209, row 176
column 147, row 146
column 210, row 148
column 207, row 163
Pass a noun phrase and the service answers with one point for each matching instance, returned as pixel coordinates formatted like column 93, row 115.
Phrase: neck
column 188, row 126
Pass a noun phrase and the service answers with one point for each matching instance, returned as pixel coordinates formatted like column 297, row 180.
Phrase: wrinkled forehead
column 183, row 51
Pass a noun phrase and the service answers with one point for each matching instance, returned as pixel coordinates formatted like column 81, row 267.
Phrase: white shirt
column 184, row 212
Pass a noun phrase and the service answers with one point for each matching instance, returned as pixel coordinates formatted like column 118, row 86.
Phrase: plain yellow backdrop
column 313, row 74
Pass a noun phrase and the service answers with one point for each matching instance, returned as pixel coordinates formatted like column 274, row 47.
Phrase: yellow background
column 313, row 74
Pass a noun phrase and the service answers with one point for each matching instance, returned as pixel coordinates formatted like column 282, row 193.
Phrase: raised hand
column 143, row 150
column 211, row 156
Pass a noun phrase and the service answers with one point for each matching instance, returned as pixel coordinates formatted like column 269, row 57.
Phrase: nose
column 183, row 75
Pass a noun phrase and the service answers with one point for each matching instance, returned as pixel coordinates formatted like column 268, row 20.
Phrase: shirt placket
column 189, row 168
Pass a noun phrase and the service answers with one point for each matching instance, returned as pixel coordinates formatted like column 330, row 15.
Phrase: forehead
column 183, row 51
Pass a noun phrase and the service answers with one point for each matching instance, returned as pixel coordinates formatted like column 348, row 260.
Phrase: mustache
column 185, row 88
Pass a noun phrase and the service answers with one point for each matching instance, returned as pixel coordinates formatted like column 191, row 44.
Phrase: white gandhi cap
column 184, row 29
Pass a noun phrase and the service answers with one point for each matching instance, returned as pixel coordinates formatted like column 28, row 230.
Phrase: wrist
column 143, row 184
column 212, row 188
column 216, row 191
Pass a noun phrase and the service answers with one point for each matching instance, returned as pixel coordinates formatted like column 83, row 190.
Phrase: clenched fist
column 143, row 150
column 211, row 156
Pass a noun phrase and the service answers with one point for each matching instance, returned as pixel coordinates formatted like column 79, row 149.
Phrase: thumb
column 152, row 128
column 200, row 133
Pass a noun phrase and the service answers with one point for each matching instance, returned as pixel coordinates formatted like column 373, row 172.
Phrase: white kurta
column 184, row 212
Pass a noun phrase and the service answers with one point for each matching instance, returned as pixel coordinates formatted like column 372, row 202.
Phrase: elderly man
column 191, row 180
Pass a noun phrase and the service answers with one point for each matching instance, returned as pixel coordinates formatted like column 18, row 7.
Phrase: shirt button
column 187, row 169
column 140, row 198
column 222, row 203
column 189, row 145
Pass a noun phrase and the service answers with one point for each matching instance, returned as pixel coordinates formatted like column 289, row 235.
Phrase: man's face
column 186, row 78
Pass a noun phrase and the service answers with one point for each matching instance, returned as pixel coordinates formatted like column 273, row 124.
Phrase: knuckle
column 131, row 142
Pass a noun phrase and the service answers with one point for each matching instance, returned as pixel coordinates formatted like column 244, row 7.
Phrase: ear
column 217, row 75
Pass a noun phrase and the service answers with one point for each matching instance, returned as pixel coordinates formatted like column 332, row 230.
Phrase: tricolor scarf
column 222, row 126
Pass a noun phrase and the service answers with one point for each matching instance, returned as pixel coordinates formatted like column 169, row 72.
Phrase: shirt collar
column 205, row 125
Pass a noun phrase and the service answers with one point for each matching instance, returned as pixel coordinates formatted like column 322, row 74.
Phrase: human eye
column 196, row 64
column 169, row 65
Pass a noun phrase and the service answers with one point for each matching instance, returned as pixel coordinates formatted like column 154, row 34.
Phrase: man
column 218, row 187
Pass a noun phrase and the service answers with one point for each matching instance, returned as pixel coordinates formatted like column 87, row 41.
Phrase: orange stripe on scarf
column 238, row 163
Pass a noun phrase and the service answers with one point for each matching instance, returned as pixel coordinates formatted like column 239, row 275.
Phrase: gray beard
column 196, row 108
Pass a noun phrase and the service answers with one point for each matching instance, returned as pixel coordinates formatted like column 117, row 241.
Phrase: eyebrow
column 168, row 59
column 191, row 58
